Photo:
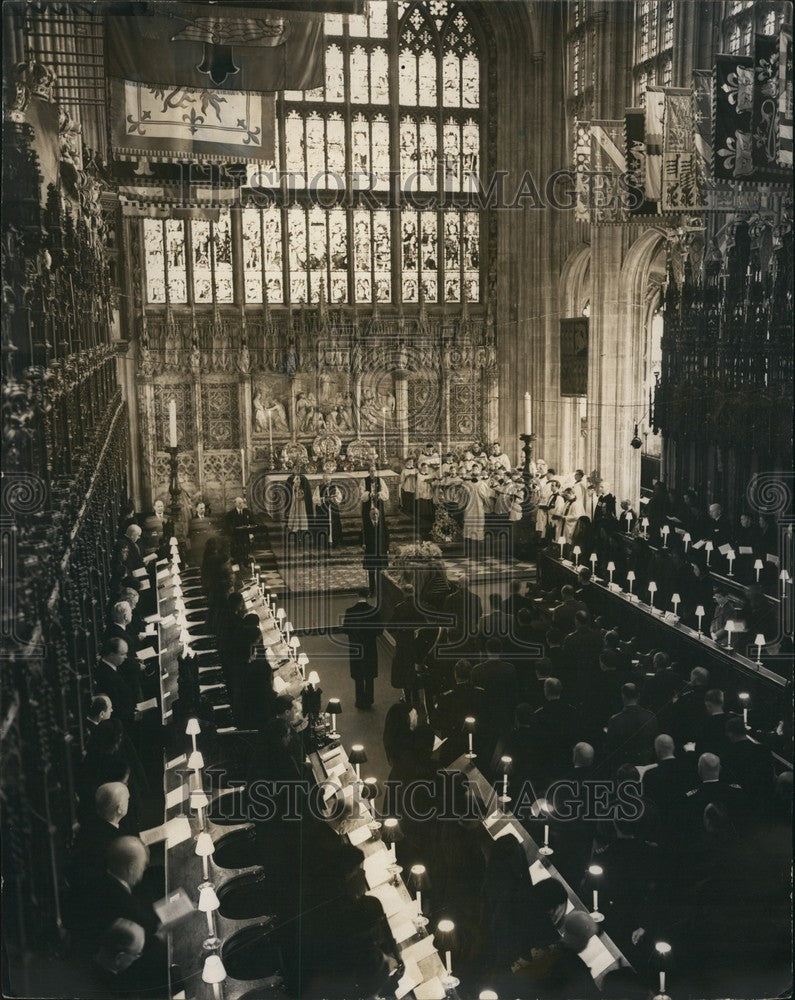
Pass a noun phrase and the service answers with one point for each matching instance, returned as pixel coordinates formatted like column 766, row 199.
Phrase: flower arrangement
column 445, row 530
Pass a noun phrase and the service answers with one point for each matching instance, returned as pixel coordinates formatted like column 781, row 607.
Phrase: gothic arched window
column 374, row 193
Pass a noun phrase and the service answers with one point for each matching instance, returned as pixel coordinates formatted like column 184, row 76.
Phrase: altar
column 271, row 498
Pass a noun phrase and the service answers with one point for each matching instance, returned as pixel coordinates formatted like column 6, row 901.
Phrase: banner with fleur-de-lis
column 785, row 97
column 765, row 116
column 174, row 124
column 731, row 119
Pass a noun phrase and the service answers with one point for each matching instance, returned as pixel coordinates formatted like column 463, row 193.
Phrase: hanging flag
column 582, row 167
column 634, row 125
column 609, row 168
column 194, row 45
column 731, row 139
column 655, row 110
column 679, row 191
column 702, row 130
column 785, row 98
column 765, row 134
column 169, row 124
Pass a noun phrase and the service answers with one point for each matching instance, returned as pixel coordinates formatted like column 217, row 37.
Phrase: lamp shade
column 700, row 612
column 652, row 587
column 418, row 877
column 313, row 679
column 469, row 723
column 288, row 626
column 731, row 625
column 744, row 696
column 709, row 546
column 445, row 929
column 279, row 685
column 205, row 848
column 294, row 642
column 488, row 995
column 593, row 557
column 665, row 530
column 783, row 575
column 675, row 599
column 686, row 537
column 611, row 567
column 759, row 640
column 505, row 764
column 334, row 707
column 631, row 574
column 281, row 614
column 193, row 728
column 303, row 659
column 213, row 971
column 758, row 564
column 662, row 948
column 370, row 789
column 595, row 871
column 208, row 900
column 391, row 832
column 196, row 761
column 198, row 799
column 644, row 522
column 576, row 550
column 357, row 754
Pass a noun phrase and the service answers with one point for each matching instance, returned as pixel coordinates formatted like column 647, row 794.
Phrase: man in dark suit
column 108, row 680
column 688, row 712
column 498, row 679
column 99, row 830
column 360, row 623
column 466, row 609
column 712, row 787
column 563, row 614
column 555, row 726
column 666, row 783
column 497, row 624
column 711, row 732
column 581, row 650
column 127, row 558
column 631, row 732
column 747, row 763
column 462, row 701
column 239, row 524
column 513, row 605
column 114, row 894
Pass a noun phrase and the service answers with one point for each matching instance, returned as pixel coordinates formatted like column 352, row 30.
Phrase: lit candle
column 675, row 599
column 592, row 561
column 759, row 642
column 663, row 949
column 665, row 531
column 630, row 579
column 172, row 423
column 700, row 614
column 576, row 553
column 686, row 539
column 708, row 547
column 745, row 700
column 611, row 568
column 596, row 872
column 731, row 557
column 528, row 413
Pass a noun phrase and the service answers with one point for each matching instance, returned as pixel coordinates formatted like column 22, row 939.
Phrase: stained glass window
column 654, row 37
column 401, row 99
column 155, row 260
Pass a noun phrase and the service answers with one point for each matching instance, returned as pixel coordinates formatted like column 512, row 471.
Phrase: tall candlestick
column 383, row 431
column 270, row 434
column 243, row 466
column 172, row 423
column 528, row 413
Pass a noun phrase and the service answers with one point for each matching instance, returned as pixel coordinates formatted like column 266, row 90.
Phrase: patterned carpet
column 286, row 571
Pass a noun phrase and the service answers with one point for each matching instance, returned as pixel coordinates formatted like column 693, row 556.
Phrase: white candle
column 449, row 962
column 205, row 868
column 546, row 834
column 243, row 466
column 505, row 786
column 419, row 903
column 528, row 413
column 596, row 900
column 662, row 981
column 172, row 423
column 470, row 744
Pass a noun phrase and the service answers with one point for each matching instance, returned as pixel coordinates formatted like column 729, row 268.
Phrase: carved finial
column 322, row 310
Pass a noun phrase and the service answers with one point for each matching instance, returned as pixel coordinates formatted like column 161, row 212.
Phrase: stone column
column 246, row 422
column 196, row 390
